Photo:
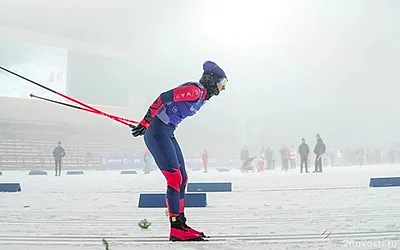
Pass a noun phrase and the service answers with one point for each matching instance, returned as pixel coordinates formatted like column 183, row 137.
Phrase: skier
column 158, row 126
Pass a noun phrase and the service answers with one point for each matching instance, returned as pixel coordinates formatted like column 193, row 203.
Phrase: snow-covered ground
column 288, row 210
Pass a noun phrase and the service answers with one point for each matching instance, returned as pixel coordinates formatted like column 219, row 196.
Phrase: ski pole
column 66, row 97
column 80, row 108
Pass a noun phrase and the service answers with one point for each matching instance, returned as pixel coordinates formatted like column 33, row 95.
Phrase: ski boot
column 179, row 233
column 183, row 218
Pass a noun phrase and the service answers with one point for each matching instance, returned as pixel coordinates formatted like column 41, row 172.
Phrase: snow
column 273, row 203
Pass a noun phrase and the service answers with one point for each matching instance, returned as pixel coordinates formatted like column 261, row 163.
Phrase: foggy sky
column 295, row 68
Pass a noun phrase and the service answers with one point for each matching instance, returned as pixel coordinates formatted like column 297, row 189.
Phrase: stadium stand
column 26, row 145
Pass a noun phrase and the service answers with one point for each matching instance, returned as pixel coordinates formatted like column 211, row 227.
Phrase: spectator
column 148, row 159
column 204, row 158
column 319, row 150
column 304, row 150
column 58, row 154
column 285, row 156
column 244, row 155
column 292, row 158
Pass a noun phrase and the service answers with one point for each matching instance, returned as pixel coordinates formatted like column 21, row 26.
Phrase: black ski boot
column 183, row 218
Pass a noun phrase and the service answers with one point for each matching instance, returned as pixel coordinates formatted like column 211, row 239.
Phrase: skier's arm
column 179, row 94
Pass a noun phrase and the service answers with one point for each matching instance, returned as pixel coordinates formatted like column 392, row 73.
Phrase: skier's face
column 221, row 84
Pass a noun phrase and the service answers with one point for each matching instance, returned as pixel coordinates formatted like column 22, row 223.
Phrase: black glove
column 140, row 129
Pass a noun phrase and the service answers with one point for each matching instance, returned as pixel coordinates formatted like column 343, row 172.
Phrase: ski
column 66, row 239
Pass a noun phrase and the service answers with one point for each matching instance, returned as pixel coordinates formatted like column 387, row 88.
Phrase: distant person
column 269, row 155
column 304, row 150
column 261, row 162
column 244, row 155
column 273, row 158
column 360, row 156
column 148, row 160
column 58, row 154
column 285, row 157
column 319, row 150
column 292, row 158
column 204, row 158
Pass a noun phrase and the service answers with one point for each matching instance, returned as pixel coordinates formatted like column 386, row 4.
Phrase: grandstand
column 30, row 129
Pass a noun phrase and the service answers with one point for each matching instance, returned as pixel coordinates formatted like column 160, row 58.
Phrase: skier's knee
column 174, row 178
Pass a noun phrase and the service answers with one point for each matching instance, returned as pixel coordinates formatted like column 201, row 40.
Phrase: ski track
column 270, row 210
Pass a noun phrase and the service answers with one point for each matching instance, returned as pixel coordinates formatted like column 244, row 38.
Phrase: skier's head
column 214, row 79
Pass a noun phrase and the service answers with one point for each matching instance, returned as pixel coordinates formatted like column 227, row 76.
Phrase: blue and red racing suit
column 161, row 120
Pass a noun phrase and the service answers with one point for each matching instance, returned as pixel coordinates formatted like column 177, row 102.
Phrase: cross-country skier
column 158, row 126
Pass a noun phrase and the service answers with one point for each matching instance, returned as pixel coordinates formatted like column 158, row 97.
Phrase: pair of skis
column 273, row 238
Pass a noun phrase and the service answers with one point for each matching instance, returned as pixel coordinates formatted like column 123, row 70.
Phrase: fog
column 295, row 68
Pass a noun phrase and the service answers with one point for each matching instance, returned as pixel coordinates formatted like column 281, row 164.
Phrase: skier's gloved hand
column 140, row 129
